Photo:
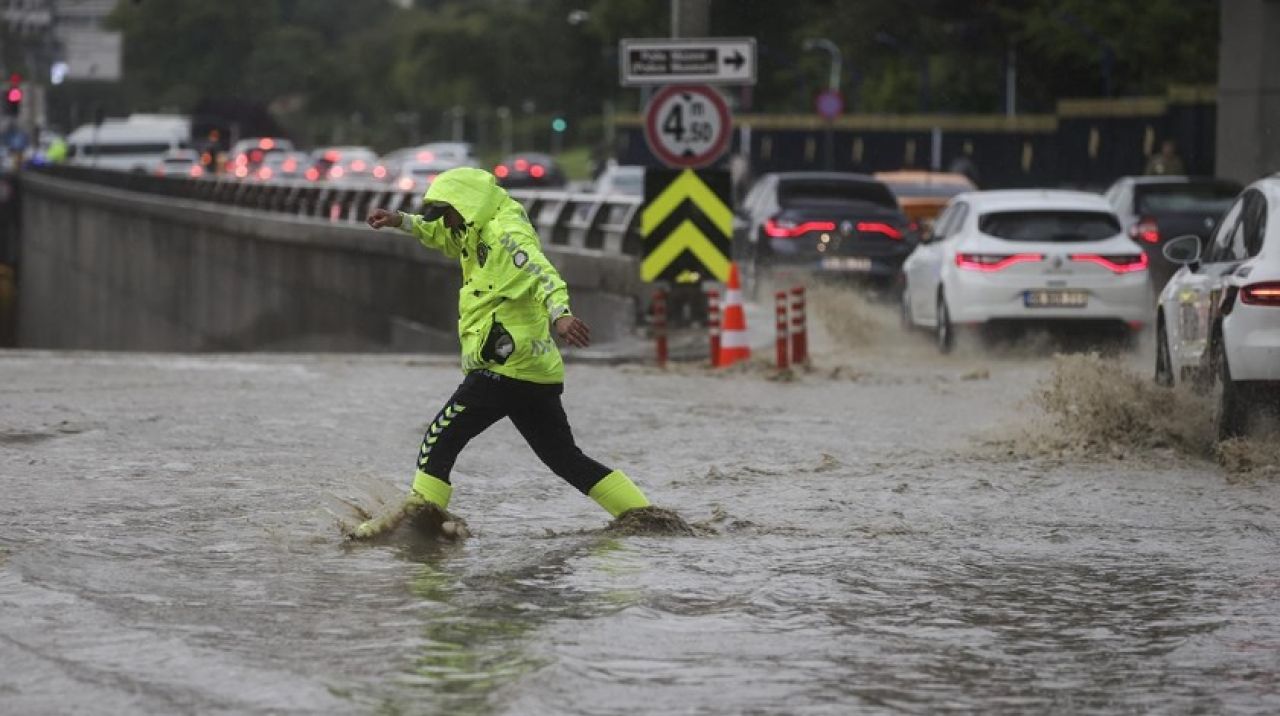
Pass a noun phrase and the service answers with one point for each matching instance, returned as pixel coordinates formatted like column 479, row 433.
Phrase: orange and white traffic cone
column 734, row 345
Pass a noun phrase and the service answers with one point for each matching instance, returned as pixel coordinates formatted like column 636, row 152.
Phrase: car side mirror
column 1183, row 250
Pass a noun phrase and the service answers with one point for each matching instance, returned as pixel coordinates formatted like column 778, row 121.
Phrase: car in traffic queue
column 246, row 155
column 180, row 163
column 1154, row 209
column 923, row 194
column 1218, row 318
column 352, row 164
column 1025, row 257
column 620, row 180
column 282, row 166
column 834, row 224
column 416, row 175
column 529, row 170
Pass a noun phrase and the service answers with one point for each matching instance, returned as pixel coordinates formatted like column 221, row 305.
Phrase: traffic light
column 13, row 97
column 559, row 124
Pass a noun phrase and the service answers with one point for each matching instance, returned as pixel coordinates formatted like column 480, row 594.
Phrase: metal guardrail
column 587, row 222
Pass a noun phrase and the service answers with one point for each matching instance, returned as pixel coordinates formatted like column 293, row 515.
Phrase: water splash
column 654, row 521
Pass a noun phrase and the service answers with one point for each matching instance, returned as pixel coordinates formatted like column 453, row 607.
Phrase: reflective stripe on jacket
column 510, row 292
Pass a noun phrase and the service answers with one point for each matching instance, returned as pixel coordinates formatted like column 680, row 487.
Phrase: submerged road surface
column 892, row 535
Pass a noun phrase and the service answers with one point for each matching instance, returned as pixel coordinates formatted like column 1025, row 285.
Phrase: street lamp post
column 833, row 85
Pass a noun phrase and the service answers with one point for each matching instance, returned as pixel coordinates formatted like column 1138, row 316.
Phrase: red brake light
column 1146, row 231
column 1119, row 264
column 426, row 156
column 290, row 165
column 877, row 227
column 536, row 171
column 255, row 155
column 197, row 170
column 1261, row 294
column 336, row 172
column 405, row 184
column 358, row 165
column 331, row 156
column 313, row 174
column 787, row 229
column 379, row 172
column 264, row 173
column 522, row 165
column 501, row 171
column 266, row 143
column 994, row 262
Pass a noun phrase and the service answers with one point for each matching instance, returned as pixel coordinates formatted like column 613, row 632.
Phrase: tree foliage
column 381, row 72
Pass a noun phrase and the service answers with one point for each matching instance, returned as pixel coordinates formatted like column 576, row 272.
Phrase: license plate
column 846, row 263
column 1055, row 299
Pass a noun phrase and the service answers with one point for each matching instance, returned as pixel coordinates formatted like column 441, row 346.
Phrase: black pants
column 483, row 399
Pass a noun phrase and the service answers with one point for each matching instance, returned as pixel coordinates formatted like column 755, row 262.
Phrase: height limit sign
column 687, row 125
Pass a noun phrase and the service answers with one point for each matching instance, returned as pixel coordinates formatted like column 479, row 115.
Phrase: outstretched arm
column 431, row 234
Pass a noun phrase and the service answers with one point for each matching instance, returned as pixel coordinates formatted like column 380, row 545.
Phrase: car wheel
column 944, row 333
column 1164, row 366
column 1233, row 403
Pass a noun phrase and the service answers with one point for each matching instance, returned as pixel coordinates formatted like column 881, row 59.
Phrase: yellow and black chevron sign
column 687, row 224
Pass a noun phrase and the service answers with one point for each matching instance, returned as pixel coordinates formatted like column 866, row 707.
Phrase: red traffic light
column 15, row 95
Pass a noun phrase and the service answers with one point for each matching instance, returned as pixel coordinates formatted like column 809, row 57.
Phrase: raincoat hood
column 474, row 193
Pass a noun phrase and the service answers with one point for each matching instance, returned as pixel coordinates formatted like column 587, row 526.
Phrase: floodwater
column 891, row 532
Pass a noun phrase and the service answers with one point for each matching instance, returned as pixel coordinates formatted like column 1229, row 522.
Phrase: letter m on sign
column 687, row 225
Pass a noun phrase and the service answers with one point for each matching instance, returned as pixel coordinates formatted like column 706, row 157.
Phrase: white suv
column 1218, row 322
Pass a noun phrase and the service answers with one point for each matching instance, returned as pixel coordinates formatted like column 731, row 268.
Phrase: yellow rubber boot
column 616, row 493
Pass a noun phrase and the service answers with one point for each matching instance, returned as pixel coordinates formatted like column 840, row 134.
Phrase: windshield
column 1055, row 225
column 1201, row 198
column 828, row 191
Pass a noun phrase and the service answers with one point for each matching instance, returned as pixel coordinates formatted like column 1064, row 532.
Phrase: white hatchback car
column 1219, row 316
column 1031, row 256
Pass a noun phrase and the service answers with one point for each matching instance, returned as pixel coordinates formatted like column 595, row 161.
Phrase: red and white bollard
column 660, row 326
column 780, row 310
column 799, row 326
column 713, row 324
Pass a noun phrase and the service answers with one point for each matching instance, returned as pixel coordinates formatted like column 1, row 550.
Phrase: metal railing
column 586, row 222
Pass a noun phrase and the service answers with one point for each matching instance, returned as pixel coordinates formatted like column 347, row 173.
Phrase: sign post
column 711, row 60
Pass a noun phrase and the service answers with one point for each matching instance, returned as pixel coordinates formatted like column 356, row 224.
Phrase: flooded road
column 895, row 532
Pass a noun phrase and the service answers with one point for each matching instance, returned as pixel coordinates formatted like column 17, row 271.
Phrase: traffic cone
column 734, row 345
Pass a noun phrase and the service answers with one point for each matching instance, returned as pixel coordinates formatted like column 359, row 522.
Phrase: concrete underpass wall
column 105, row 269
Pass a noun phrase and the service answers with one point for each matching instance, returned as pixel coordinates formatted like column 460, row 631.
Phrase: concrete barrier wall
column 106, row 269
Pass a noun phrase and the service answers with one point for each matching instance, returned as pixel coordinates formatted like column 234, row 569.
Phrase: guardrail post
column 780, row 311
column 799, row 328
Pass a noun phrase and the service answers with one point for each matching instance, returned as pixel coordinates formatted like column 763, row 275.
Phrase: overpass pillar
column 1248, row 126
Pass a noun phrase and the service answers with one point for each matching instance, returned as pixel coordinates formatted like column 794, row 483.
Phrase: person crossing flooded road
column 511, row 300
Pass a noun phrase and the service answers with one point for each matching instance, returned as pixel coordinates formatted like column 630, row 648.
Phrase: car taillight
column 264, row 173
column 994, row 262
column 379, row 172
column 1146, row 231
column 501, row 171
column 1126, row 263
column 313, row 174
column 877, row 227
column 522, row 165
column 358, row 165
column 336, row 172
column 290, row 165
column 1261, row 294
column 536, row 171
column 426, row 157
column 242, row 171
column 787, row 229
column 405, row 184
column 197, row 171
